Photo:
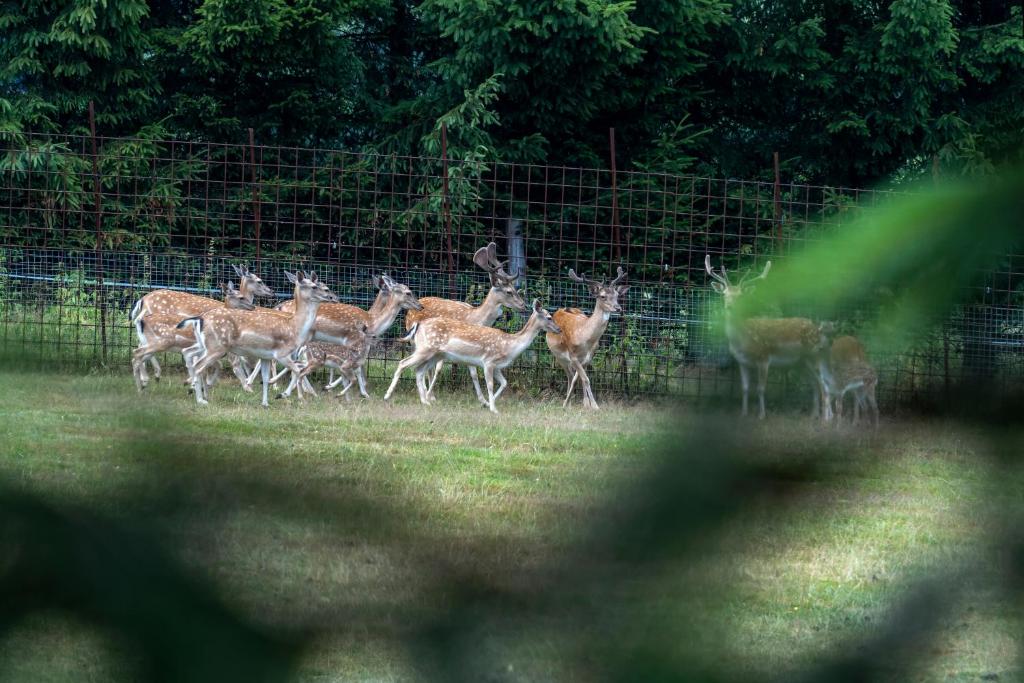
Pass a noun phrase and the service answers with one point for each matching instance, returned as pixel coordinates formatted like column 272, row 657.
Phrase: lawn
column 362, row 526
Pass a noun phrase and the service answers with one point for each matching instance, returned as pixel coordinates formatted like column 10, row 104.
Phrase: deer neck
column 490, row 310
column 521, row 340
column 304, row 319
column 596, row 323
column 378, row 303
column 382, row 314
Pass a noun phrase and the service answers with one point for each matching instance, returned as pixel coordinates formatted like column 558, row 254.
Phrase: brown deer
column 502, row 293
column 574, row 347
column 851, row 372
column 347, row 325
column 162, row 333
column 460, row 342
column 265, row 334
column 179, row 305
column 762, row 342
column 347, row 360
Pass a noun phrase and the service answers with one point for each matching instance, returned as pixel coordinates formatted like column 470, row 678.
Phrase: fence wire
column 83, row 235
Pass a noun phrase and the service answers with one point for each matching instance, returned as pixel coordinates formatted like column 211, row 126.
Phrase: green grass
column 336, row 517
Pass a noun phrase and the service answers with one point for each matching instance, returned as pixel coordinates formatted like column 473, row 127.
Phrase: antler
column 767, row 267
column 582, row 279
column 723, row 278
column 486, row 258
column 618, row 278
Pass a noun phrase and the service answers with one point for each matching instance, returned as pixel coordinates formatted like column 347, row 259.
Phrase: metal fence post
column 777, row 204
column 447, row 210
column 98, row 212
column 255, row 193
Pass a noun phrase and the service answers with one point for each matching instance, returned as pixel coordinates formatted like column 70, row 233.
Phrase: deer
column 762, row 342
column 161, row 333
column 502, row 293
column 179, row 305
column 265, row 334
column 456, row 341
column 348, row 360
column 851, row 372
column 574, row 347
column 347, row 325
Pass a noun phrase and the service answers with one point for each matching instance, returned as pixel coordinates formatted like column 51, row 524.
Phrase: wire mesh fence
column 88, row 225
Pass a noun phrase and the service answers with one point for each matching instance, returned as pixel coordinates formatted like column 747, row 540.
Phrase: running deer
column 347, row 360
column 265, row 334
column 502, row 293
column 179, row 305
column 438, row 339
column 161, row 333
column 574, row 347
column 346, row 325
column 762, row 342
column 851, row 372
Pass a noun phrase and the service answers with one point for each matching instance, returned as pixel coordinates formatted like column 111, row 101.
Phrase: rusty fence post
column 255, row 194
column 446, row 209
column 617, row 258
column 777, row 204
column 101, row 296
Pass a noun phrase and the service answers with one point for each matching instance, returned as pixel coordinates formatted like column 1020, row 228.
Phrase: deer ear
column 238, row 271
column 389, row 282
column 377, row 282
column 292, row 277
column 622, row 289
column 536, row 306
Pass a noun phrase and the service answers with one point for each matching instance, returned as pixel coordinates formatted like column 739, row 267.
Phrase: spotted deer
column 456, row 341
column 179, row 305
column 502, row 293
column 574, row 347
column 162, row 333
column 347, row 325
column 347, row 360
column 265, row 334
column 852, row 373
column 760, row 343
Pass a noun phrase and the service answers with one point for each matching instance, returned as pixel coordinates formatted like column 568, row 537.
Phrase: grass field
column 359, row 523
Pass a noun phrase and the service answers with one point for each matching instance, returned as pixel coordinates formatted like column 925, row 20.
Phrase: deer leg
column 241, row 371
column 433, row 380
column 421, row 382
column 208, row 360
column 588, row 394
column 264, row 368
column 873, row 405
column 573, row 376
column 502, row 382
column 762, row 380
column 416, row 358
column 745, row 385
column 476, row 386
column 296, row 371
column 252, row 376
column 361, row 378
column 489, row 378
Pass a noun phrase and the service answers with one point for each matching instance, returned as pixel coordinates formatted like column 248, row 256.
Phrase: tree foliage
column 847, row 92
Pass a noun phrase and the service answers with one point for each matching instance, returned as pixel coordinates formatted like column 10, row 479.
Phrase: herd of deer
column 313, row 330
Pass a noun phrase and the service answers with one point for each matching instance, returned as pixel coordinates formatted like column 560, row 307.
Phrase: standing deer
column 762, row 342
column 265, row 334
column 161, row 333
column 179, row 305
column 347, row 360
column 460, row 342
column 502, row 293
column 347, row 325
column 574, row 347
column 851, row 372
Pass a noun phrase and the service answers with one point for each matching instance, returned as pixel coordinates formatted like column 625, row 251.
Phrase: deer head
column 721, row 284
column 547, row 323
column 607, row 296
column 502, row 283
column 398, row 292
column 308, row 288
column 251, row 282
column 235, row 299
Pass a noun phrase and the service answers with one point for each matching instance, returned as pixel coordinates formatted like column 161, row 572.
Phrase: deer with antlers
column 852, row 373
column 347, row 325
column 502, row 293
column 762, row 342
column 179, row 305
column 265, row 334
column 575, row 345
column 493, row 350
